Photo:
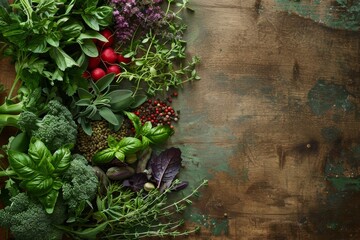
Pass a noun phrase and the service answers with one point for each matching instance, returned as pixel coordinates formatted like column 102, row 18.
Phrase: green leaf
column 39, row 185
column 22, row 164
column 103, row 12
column 53, row 39
column 91, row 233
column 103, row 156
column 108, row 115
column 138, row 101
column 112, row 142
column 91, row 21
column 145, row 142
column 62, row 60
column 72, row 29
column 120, row 100
column 20, row 143
column 84, row 94
column 38, row 44
column 61, row 159
column 129, row 145
column 86, row 127
column 145, row 129
column 92, row 35
column 41, row 156
column 135, row 121
column 159, row 134
column 83, row 102
column 49, row 200
column 120, row 155
column 105, row 81
column 89, row 48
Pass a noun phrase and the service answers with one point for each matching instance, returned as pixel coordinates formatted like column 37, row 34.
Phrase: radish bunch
column 108, row 60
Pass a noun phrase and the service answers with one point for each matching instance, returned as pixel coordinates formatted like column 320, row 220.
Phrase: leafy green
column 40, row 171
column 53, row 32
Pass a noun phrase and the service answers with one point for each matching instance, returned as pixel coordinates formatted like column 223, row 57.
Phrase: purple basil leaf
column 166, row 166
column 135, row 182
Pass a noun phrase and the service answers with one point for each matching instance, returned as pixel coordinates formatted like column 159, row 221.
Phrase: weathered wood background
column 273, row 124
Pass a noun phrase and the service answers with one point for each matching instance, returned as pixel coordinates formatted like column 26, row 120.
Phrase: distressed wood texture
column 273, row 124
column 272, row 121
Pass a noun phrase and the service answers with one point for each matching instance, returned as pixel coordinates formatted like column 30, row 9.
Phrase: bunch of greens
column 130, row 145
column 158, row 52
column 50, row 40
column 123, row 214
column 103, row 101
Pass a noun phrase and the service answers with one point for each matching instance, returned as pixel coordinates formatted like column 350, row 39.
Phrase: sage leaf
column 108, row 115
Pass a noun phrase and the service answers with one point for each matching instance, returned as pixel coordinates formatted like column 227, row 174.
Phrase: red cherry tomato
column 97, row 73
column 109, row 36
column 113, row 69
column 109, row 55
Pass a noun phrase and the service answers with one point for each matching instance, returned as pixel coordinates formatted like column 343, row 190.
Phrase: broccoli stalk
column 10, row 111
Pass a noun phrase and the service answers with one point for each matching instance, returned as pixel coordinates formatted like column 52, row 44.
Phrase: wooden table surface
column 273, row 124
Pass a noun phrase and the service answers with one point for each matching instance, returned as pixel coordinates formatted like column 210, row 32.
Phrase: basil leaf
column 145, row 129
column 92, row 35
column 129, row 145
column 120, row 155
column 103, row 12
column 41, row 156
column 39, row 185
column 103, row 156
column 91, row 21
column 61, row 159
column 112, row 142
column 145, row 142
column 49, row 200
column 89, row 48
column 108, row 115
column 62, row 60
column 72, row 29
column 159, row 134
column 135, row 121
column 53, row 39
column 38, row 44
column 22, row 164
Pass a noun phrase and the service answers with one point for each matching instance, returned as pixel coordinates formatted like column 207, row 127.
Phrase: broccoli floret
column 56, row 128
column 27, row 219
column 80, row 184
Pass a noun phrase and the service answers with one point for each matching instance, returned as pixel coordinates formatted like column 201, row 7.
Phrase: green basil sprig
column 118, row 149
column 40, row 171
column 147, row 133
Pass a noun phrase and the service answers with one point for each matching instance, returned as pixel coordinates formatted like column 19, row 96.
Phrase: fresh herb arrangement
column 90, row 107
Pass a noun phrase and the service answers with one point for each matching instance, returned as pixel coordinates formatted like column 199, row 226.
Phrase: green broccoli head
column 80, row 184
column 56, row 128
column 27, row 219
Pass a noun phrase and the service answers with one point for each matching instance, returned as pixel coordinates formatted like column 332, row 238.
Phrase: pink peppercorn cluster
column 158, row 112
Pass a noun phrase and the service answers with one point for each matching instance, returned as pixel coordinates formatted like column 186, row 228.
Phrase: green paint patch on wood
column 217, row 226
column 326, row 95
column 345, row 183
column 330, row 134
column 335, row 14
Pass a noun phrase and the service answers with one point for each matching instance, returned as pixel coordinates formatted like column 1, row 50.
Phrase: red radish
column 109, row 55
column 94, row 62
column 109, row 36
column 113, row 69
column 97, row 73
column 122, row 59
